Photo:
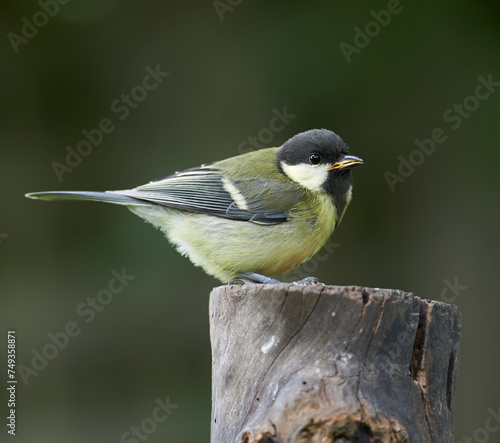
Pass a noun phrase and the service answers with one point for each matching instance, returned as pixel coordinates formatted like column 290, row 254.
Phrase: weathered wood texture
column 331, row 364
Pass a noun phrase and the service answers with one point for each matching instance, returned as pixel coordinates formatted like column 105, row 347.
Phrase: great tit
column 264, row 212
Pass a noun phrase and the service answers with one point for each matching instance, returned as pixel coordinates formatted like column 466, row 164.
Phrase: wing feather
column 205, row 190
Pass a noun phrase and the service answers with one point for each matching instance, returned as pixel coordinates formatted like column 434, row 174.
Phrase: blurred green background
column 230, row 68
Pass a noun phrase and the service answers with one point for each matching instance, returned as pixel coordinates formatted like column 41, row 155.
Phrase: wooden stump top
column 330, row 363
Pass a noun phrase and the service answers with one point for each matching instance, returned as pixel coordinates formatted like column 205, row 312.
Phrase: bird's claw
column 309, row 281
column 253, row 277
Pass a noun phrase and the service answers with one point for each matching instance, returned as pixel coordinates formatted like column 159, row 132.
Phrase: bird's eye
column 314, row 159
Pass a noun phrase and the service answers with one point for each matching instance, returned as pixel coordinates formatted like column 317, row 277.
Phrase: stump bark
column 331, row 364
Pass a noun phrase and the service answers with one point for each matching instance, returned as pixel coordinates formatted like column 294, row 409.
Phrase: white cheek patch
column 311, row 177
column 236, row 195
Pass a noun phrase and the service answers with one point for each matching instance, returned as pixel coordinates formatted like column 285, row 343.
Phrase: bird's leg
column 253, row 277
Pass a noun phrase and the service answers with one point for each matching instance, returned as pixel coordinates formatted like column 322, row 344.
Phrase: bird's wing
column 208, row 190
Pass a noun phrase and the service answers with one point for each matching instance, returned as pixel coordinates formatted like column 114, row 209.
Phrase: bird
column 251, row 217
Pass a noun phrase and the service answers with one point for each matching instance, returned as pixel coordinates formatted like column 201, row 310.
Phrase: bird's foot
column 253, row 277
column 308, row 281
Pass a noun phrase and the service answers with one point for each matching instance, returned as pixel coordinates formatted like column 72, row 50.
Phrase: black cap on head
column 326, row 143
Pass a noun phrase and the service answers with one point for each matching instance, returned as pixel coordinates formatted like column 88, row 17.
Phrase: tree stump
column 331, row 364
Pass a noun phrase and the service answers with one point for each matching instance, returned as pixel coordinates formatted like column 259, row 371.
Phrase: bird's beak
column 349, row 161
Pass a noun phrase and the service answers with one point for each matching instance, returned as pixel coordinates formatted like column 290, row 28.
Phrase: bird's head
column 319, row 161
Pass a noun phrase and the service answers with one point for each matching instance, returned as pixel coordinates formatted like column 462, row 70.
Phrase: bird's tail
column 107, row 197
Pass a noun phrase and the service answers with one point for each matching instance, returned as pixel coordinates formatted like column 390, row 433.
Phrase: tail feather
column 107, row 197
